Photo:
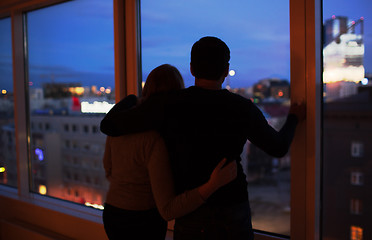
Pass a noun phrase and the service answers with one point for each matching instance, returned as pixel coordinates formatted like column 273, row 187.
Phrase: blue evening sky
column 73, row 41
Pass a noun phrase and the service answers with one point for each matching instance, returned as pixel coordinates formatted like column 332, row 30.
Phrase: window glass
column 356, row 233
column 357, row 178
column 257, row 33
column 355, row 206
column 71, row 75
column 356, row 149
column 8, row 161
column 347, row 125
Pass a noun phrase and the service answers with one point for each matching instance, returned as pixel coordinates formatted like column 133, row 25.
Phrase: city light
column 3, row 91
column 42, row 189
column 94, row 205
column 232, row 73
column 350, row 74
column 356, row 233
column 2, row 169
column 96, row 107
column 39, row 153
column 102, row 89
column 364, row 81
column 77, row 90
column 335, row 54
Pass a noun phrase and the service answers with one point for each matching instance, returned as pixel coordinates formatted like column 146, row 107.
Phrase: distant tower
column 343, row 54
column 333, row 28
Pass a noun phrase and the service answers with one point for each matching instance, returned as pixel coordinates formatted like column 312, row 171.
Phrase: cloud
column 40, row 74
column 89, row 8
column 154, row 17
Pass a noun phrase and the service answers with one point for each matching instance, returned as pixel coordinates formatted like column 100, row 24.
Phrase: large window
column 71, row 83
column 257, row 33
column 347, row 125
column 344, row 136
column 8, row 161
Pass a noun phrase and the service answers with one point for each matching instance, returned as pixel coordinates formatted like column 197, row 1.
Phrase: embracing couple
column 175, row 153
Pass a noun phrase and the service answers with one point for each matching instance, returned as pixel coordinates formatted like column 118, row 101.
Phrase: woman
column 141, row 193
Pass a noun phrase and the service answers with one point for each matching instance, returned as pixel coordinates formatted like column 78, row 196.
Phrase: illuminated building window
column 42, row 189
column 356, row 233
column 356, row 178
column 357, row 148
column 356, row 206
column 39, row 154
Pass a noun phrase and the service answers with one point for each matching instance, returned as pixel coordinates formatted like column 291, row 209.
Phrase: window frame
column 306, row 85
column 356, row 149
column 306, row 67
column 22, row 192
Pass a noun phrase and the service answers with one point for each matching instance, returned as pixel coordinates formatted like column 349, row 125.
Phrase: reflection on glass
column 8, row 161
column 71, row 78
column 257, row 33
column 347, row 125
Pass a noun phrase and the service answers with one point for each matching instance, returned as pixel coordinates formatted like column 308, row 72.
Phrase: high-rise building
column 343, row 54
column 333, row 28
column 66, row 157
column 347, row 141
column 66, row 146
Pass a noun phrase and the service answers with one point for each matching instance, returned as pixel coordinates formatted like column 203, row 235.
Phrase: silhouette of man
column 201, row 125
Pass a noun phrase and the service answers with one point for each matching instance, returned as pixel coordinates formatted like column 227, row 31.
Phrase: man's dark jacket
column 200, row 127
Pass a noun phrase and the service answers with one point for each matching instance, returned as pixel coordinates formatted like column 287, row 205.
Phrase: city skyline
column 257, row 34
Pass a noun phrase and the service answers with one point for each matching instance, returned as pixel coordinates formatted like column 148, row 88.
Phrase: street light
column 231, row 74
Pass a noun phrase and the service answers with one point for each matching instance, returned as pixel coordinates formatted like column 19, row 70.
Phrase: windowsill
column 85, row 213
column 58, row 205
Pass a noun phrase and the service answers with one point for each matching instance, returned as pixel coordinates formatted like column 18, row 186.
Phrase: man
column 201, row 125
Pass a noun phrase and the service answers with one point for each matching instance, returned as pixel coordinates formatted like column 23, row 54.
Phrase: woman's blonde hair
column 162, row 79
